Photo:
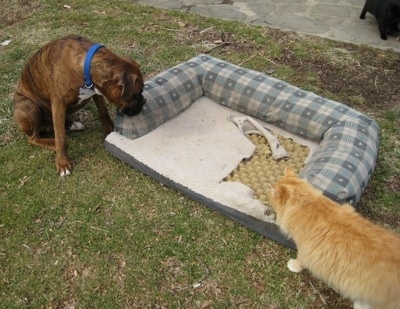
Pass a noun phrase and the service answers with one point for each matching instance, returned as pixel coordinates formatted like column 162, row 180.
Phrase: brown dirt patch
column 16, row 11
column 347, row 70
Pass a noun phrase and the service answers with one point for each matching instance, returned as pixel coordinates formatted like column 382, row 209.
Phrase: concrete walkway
column 334, row 19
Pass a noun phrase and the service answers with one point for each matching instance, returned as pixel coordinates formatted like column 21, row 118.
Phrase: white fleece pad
column 198, row 149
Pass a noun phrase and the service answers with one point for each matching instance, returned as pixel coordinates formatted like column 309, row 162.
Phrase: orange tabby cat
column 358, row 258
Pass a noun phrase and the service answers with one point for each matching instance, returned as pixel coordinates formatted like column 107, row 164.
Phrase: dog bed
column 192, row 136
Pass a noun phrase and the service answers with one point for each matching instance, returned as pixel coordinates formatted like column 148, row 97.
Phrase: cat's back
column 342, row 230
column 354, row 255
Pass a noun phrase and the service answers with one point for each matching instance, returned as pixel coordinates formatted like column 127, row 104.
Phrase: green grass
column 110, row 237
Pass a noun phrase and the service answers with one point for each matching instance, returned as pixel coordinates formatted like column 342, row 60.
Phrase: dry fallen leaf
column 5, row 43
column 23, row 181
column 99, row 12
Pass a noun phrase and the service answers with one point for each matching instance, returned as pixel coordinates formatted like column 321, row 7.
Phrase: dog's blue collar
column 86, row 66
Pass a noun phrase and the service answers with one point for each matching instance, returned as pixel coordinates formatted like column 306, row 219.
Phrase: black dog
column 387, row 12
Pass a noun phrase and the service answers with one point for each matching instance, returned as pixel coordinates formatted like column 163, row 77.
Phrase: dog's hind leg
column 32, row 121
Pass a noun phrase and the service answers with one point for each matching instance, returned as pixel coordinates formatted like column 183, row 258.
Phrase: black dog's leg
column 382, row 29
column 363, row 12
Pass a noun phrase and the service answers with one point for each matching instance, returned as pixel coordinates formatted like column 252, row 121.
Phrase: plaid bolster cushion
column 167, row 94
column 348, row 140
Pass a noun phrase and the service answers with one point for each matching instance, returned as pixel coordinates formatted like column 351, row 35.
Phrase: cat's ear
column 276, row 190
column 289, row 172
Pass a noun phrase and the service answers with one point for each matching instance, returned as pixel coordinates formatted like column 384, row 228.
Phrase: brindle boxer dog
column 52, row 86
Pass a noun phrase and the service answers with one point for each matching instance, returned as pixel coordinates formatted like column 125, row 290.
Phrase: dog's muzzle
column 136, row 108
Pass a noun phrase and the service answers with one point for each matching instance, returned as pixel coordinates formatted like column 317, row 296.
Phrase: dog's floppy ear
column 127, row 84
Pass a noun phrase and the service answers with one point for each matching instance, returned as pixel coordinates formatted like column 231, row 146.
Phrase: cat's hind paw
column 360, row 305
column 294, row 266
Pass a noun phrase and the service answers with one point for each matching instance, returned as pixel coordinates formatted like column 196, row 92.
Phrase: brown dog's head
column 126, row 87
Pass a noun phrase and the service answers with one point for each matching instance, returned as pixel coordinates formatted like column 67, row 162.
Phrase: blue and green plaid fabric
column 348, row 140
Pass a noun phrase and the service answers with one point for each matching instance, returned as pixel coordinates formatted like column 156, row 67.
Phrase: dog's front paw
column 66, row 172
column 64, row 169
column 76, row 126
column 294, row 266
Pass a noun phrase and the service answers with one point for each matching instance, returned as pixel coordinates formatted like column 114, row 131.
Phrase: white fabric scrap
column 5, row 43
column 248, row 125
